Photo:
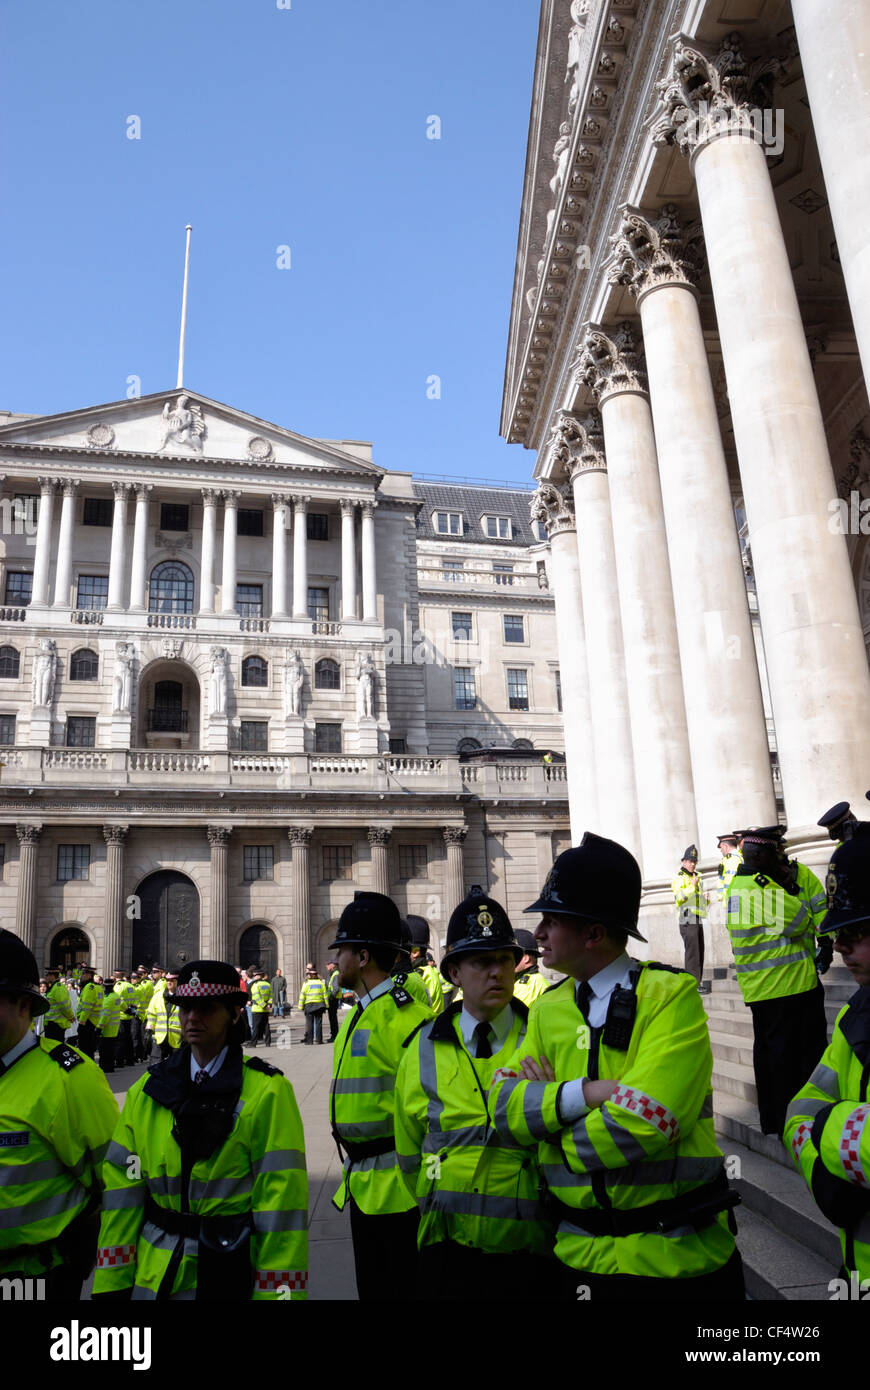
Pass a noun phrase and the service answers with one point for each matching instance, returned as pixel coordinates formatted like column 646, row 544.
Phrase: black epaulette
column 660, row 965
column 66, row 1057
column 557, row 985
column 401, row 996
column 258, row 1064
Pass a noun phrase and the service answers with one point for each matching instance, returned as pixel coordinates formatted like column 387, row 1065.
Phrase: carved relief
column 655, row 250
column 300, row 835
column 608, row 361
column 704, row 96
column 184, row 424
column 259, row 448
column 378, row 835
column 101, row 436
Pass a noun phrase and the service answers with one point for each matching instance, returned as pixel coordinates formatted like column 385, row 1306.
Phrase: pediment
column 182, row 426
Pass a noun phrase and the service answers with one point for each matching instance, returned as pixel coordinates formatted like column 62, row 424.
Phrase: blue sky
column 268, row 127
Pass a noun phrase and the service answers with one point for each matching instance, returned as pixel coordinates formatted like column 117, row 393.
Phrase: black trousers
column 724, row 1285
column 124, row 1048
column 314, row 1027
column 88, row 1037
column 107, row 1053
column 693, row 947
column 55, row 1031
column 448, row 1271
column 790, row 1036
column 333, row 1019
column 261, row 1029
column 384, row 1254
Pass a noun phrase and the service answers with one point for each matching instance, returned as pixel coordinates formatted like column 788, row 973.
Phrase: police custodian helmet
column 19, row 973
column 479, row 923
column 372, row 919
column 848, row 884
column 207, row 979
column 597, row 881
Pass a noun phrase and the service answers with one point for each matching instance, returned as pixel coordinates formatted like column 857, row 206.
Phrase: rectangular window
column 463, row 687
column 2, row 858
column 259, row 862
column 448, row 523
column 253, row 736
column 92, row 591
column 461, row 627
column 413, row 861
column 513, row 628
column 173, row 516
column 249, row 522
column 317, row 526
column 73, row 861
column 7, row 729
column 318, row 605
column 558, row 675
column 249, row 600
column 452, row 571
column 504, row 574
column 19, row 587
column 327, row 738
column 397, row 745
column 81, row 731
column 518, row 689
column 498, row 528
column 338, row 861
column 97, row 511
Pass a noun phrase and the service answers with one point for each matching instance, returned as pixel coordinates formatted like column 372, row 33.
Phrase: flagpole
column 179, row 382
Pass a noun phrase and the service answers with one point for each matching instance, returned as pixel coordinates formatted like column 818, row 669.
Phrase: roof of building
column 474, row 503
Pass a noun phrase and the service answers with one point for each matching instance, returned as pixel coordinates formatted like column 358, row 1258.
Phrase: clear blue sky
column 266, row 127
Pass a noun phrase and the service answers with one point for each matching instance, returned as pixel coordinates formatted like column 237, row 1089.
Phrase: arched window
column 171, row 588
column 84, row 665
column 523, row 743
column 255, row 671
column 9, row 663
column 327, row 675
column 468, row 745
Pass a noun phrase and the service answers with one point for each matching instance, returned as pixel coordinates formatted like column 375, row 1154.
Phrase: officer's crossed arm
column 279, row 1200
column 595, row 1093
column 123, row 1212
column 829, row 1139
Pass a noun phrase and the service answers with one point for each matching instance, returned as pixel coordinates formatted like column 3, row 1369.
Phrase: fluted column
column 25, row 902
column 302, row 946
column 659, row 260
column 63, row 573
column 218, row 839
column 348, row 561
column 605, row 657
column 115, row 955
column 42, row 556
column 454, row 879
column 300, row 561
column 662, row 766
column 369, row 568
column 209, row 532
column 118, row 554
column 379, row 839
column 813, row 640
column 228, row 573
column 279, row 555
column 140, row 547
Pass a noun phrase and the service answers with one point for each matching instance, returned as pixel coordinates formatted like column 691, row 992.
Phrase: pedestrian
column 278, row 986
column 691, row 902
column 529, row 983
column 261, row 1006
column 215, row 1207
column 333, row 998
column 313, row 1000
column 60, row 1014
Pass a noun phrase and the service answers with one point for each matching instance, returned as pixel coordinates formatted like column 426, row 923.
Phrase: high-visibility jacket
column 362, row 1098
column 90, row 1004
column 333, row 987
column 726, row 871
column 528, row 986
column 772, row 938
column 811, row 892
column 261, row 997
column 258, row 1169
column 57, row 1114
column 163, row 1020
column 110, row 1014
column 827, row 1130
column 652, row 1143
column 471, row 1187
column 313, row 992
column 129, row 998
column 431, row 977
column 412, row 981
column 60, row 1009
column 144, row 991
column 688, row 893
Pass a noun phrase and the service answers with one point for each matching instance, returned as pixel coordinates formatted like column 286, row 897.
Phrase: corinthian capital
column 608, row 361
column 218, row 835
column 655, row 250
column 454, row 834
column 115, row 834
column 708, row 95
column 299, row 835
column 379, row 835
column 590, row 455
column 554, row 506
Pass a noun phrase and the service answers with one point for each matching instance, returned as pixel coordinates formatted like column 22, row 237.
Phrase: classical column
column 279, row 555
column 554, row 505
column 300, row 840
column 63, row 573
column 369, row 569
column 209, row 531
column 813, row 641
column 218, row 839
column 834, row 41
column 659, row 260
column 379, row 839
column 605, row 659
column 140, row 547
column 228, row 573
column 662, row 766
column 115, row 955
column 300, row 564
column 348, row 561
column 118, row 554
column 454, row 879
column 25, row 902
column 42, row 557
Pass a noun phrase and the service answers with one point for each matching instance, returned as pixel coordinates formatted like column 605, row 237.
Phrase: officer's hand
column 824, row 954
column 537, row 1071
column 597, row 1092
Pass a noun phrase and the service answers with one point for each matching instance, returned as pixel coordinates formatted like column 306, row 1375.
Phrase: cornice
column 104, row 461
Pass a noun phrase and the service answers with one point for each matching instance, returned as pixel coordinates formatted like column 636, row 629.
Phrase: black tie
column 584, row 994
column 481, row 1034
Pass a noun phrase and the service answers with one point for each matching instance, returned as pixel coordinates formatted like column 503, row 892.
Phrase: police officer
column 312, row 1003
column 261, row 1008
column 215, row 1206
column 482, row 1224
column 430, row 976
column 529, row 981
column 402, row 972
column 613, row 1085
column 827, row 1127
column 60, row 1015
column 383, row 1214
column 839, row 821
column 730, row 862
column 110, row 1023
column 333, row 998
column 88, row 1013
column 163, row 1025
column 691, row 904
column 56, row 1119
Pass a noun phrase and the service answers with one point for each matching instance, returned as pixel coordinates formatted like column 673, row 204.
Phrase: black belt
column 697, row 1209
column 188, row 1224
column 373, row 1149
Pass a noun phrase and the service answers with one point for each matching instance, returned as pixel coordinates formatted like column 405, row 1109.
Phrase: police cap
column 371, row 919
column 419, row 928
column 848, row 884
column 691, row 854
column 527, row 941
column 206, row 979
column 479, row 923
column 764, row 835
column 19, row 973
column 835, row 815
column 407, row 940
column 597, row 881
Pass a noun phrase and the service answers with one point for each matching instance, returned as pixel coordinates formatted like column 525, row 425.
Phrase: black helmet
column 372, row 919
column 207, row 979
column 19, row 973
column 419, row 929
column 848, row 883
column 479, row 923
column 691, row 854
column 597, row 881
column 407, row 940
column 527, row 941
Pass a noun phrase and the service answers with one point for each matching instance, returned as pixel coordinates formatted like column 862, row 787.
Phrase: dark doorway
column 70, row 947
column 167, row 716
column 258, row 950
column 167, row 933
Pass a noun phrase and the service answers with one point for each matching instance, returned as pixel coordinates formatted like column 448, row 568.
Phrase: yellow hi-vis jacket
column 60, row 1009
column 56, row 1119
column 529, row 986
column 163, row 1020
column 772, row 938
column 827, row 1131
column 728, row 867
column 431, row 977
column 688, row 893
column 261, row 997
column 313, row 992
column 811, row 892
column 144, row 991
column 110, row 1014
column 471, row 1186
column 366, row 1056
column 652, row 1143
column 90, row 1004
column 258, row 1169
column 412, row 981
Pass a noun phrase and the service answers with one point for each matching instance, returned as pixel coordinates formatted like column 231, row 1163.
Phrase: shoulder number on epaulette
column 401, row 996
column 66, row 1057
column 259, row 1064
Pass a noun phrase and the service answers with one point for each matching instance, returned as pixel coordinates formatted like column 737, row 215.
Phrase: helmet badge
column 831, row 885
column 484, row 921
column 194, row 980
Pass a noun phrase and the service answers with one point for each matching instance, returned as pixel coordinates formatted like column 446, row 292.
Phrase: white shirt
column 211, row 1068
column 383, row 988
column 499, row 1027
column 26, row 1043
column 572, row 1103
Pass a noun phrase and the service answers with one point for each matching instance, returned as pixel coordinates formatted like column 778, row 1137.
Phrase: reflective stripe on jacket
column 60, row 1009
column 163, row 1021
column 313, row 992
column 261, row 997
column 90, row 1005
column 772, row 938
column 110, row 1014
column 688, row 893
column 431, row 977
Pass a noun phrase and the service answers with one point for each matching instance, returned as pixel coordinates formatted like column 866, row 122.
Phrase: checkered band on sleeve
column 199, row 991
column 631, row 1099
column 110, row 1256
column 850, row 1146
column 799, row 1138
column 270, row 1280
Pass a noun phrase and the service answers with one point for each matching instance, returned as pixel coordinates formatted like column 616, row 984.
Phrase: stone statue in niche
column 184, row 424
column 45, row 673
column 217, row 691
column 294, row 677
column 366, row 675
column 122, row 684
